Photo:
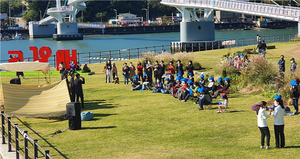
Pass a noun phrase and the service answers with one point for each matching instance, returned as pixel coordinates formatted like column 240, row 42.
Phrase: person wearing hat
column 236, row 60
column 78, row 82
column 220, row 85
column 224, row 88
column 181, row 89
column 176, row 86
column 146, row 84
column 166, row 87
column 278, row 114
column 295, row 95
column 190, row 69
column 211, row 84
column 203, row 99
column 179, row 67
column 293, row 65
column 202, row 81
column 135, row 83
column 187, row 92
column 281, row 64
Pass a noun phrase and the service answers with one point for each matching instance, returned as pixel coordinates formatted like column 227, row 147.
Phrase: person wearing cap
column 224, row 88
column 223, row 104
column 179, row 67
column 191, row 76
column 293, row 65
column 166, row 87
column 278, row 114
column 146, row 84
column 230, row 61
column 202, row 81
column 181, row 89
column 136, row 83
column 295, row 95
column 125, row 73
column 190, row 69
column 176, row 86
column 188, row 92
column 281, row 64
column 220, row 85
column 78, row 82
column 203, row 99
column 236, row 60
column 158, row 87
column 211, row 84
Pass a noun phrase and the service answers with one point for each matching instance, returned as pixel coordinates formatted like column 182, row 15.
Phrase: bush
column 197, row 66
column 260, row 71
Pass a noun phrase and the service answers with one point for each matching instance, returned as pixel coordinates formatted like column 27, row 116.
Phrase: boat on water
column 18, row 37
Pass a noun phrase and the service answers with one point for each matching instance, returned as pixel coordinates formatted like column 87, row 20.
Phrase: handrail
column 6, row 133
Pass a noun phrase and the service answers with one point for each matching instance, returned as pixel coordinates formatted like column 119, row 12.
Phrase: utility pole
column 9, row 16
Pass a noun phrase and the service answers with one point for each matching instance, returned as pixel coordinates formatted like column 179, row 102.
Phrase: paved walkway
column 4, row 154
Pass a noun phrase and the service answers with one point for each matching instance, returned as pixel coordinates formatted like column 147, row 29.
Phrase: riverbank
column 136, row 124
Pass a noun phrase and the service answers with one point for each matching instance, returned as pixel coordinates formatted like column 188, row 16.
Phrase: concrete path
column 4, row 154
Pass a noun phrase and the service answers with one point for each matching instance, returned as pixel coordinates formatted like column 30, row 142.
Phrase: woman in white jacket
column 263, row 125
column 278, row 114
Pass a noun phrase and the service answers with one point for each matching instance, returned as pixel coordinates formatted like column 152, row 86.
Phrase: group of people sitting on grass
column 187, row 88
column 238, row 61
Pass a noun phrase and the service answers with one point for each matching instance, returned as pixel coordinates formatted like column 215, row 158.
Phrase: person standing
column 114, row 71
column 156, row 67
column 190, row 69
column 293, row 65
column 140, row 71
column 72, row 67
column 171, row 68
column 262, row 124
column 72, row 87
column 161, row 72
column 61, row 67
column 149, row 71
column 78, row 82
column 179, row 68
column 263, row 48
column 278, row 114
column 258, row 38
column 131, row 71
column 125, row 73
column 295, row 95
column 108, row 71
column 281, row 64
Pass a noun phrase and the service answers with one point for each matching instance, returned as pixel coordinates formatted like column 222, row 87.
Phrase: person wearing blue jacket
column 159, row 87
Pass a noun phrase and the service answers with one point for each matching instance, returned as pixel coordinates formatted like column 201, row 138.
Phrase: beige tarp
column 25, row 66
column 35, row 101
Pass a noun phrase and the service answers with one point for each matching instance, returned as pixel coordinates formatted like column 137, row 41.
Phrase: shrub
column 197, row 66
column 260, row 71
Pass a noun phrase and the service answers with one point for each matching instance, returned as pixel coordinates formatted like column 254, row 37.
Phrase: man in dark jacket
column 179, row 67
column 78, row 88
column 281, row 64
column 72, row 88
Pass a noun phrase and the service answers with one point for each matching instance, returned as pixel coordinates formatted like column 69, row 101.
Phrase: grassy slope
column 138, row 124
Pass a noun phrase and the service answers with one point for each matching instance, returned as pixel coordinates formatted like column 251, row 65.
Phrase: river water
column 122, row 42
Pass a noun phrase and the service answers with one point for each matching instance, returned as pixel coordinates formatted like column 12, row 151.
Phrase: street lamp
column 116, row 15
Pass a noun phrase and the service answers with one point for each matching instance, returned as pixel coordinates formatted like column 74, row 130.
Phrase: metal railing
column 19, row 139
column 269, row 10
column 137, row 53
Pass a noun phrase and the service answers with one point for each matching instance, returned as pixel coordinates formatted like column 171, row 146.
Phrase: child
column 202, row 81
column 211, row 84
column 158, row 86
column 116, row 80
column 135, row 83
column 223, row 104
column 204, row 98
column 166, row 87
column 187, row 91
column 146, row 84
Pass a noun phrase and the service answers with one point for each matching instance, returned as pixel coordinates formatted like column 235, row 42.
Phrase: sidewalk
column 4, row 154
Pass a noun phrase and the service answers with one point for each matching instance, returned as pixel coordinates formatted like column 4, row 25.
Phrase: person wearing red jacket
column 171, row 68
column 140, row 71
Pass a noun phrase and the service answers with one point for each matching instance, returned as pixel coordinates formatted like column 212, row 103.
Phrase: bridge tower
column 195, row 28
column 65, row 16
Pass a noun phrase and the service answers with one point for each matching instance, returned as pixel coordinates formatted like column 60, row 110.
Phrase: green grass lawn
column 135, row 124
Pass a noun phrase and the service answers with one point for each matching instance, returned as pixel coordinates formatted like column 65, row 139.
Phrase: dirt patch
column 250, row 89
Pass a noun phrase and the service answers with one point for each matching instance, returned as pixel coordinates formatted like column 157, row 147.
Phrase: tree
column 164, row 21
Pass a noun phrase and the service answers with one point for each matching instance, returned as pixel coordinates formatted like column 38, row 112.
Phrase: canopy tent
column 25, row 66
column 35, row 101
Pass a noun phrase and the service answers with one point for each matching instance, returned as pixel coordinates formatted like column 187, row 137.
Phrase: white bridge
column 189, row 9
